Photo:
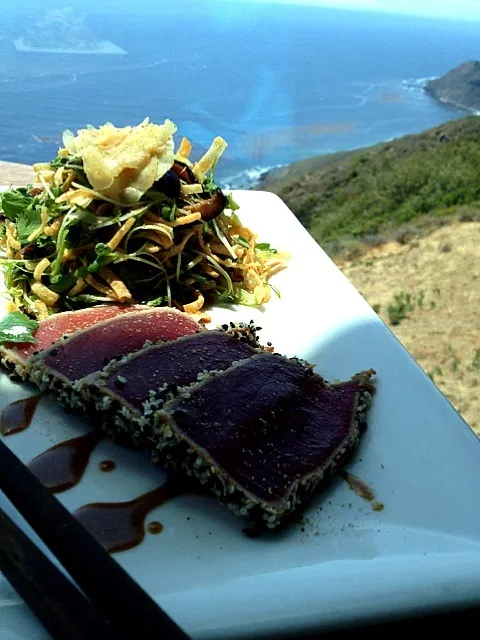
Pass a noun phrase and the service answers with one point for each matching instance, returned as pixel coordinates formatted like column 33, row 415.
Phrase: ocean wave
column 416, row 86
column 419, row 82
column 249, row 178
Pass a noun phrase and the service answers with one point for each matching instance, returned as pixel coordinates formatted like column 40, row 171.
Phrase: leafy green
column 61, row 244
column 17, row 327
column 156, row 302
column 21, row 208
column 104, row 255
column 168, row 213
column 275, row 291
column 209, row 184
column 245, row 297
column 231, row 204
column 14, row 203
column 63, row 283
column 226, row 298
column 265, row 246
column 28, row 222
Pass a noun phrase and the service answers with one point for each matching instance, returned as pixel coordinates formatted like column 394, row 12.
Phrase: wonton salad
column 119, row 216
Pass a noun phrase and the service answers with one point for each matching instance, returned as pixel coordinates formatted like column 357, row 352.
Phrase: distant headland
column 61, row 31
column 459, row 87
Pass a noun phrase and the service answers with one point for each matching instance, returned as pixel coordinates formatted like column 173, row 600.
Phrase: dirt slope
column 438, row 279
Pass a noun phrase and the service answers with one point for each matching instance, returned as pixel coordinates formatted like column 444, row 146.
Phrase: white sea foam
column 416, row 86
column 249, row 178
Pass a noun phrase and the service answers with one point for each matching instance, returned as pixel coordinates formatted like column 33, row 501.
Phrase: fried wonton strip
column 162, row 240
column 43, row 179
column 185, row 148
column 188, row 189
column 207, row 161
column 117, row 285
column 77, row 288
column 274, row 269
column 79, row 195
column 201, row 317
column 53, row 228
column 252, row 280
column 186, row 219
column 45, row 294
column 12, row 241
column 120, row 234
column 40, row 269
column 209, row 270
column 58, row 177
column 194, row 307
column 98, row 286
column 42, row 309
column 175, row 250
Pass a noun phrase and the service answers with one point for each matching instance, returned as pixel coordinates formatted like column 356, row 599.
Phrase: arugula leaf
column 209, row 184
column 275, row 291
column 226, row 297
column 168, row 213
column 197, row 277
column 104, row 256
column 265, row 246
column 157, row 302
column 28, row 222
column 14, row 203
column 17, row 327
column 62, row 284
column 231, row 204
column 61, row 242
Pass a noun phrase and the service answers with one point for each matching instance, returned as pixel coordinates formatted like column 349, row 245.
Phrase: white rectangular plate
column 347, row 562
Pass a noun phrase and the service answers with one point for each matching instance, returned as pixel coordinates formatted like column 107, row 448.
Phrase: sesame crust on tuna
column 138, row 427
column 178, row 452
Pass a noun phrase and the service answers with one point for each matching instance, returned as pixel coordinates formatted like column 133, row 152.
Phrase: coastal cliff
column 393, row 190
column 459, row 87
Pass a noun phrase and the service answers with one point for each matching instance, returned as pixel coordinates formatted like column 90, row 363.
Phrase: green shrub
column 377, row 189
column 400, row 309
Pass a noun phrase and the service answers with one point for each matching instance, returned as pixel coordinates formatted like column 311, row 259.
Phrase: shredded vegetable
column 118, row 216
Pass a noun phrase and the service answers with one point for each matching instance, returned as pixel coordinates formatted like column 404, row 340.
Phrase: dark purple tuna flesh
column 91, row 349
column 128, row 394
column 266, row 425
column 173, row 364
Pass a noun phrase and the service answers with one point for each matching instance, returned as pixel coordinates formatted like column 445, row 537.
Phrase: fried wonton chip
column 123, row 163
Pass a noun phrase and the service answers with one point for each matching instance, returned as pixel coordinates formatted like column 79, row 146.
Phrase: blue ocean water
column 280, row 84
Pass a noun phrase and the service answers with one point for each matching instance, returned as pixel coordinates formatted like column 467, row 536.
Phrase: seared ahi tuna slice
column 14, row 356
column 129, row 392
column 264, row 434
column 57, row 368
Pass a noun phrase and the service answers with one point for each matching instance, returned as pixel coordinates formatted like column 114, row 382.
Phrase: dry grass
column 441, row 274
column 13, row 173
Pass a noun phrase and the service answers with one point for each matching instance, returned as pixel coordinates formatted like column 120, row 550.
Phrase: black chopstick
column 109, row 588
column 62, row 609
